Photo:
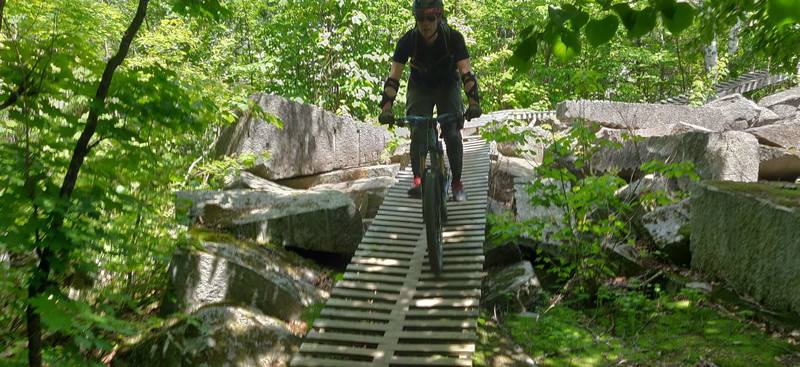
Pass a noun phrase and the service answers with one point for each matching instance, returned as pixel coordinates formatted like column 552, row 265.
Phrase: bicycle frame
column 435, row 182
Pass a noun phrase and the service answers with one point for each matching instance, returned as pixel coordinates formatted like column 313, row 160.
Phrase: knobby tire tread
column 431, row 214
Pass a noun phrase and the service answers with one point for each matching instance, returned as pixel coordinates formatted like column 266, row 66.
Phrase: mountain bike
column 435, row 184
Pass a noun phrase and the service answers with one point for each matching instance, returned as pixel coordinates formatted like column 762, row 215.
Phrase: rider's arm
column 389, row 88
column 468, row 79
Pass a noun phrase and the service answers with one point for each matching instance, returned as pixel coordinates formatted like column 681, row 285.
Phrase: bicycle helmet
column 428, row 6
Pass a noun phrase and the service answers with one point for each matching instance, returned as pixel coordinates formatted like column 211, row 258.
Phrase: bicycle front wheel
column 432, row 216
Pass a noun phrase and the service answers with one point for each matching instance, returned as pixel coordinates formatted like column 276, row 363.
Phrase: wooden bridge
column 390, row 310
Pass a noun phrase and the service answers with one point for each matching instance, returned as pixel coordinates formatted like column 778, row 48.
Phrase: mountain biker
column 439, row 59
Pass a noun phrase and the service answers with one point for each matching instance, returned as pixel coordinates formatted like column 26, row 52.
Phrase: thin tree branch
column 13, row 97
column 79, row 154
column 39, row 282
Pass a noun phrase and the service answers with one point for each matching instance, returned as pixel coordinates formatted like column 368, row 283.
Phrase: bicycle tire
column 431, row 214
column 443, row 194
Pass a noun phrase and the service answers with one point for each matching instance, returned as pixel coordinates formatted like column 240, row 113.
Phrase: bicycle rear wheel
column 432, row 216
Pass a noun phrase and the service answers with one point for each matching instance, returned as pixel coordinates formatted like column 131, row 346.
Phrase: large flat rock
column 323, row 220
column 219, row 336
column 312, row 140
column 778, row 164
column 334, row 177
column 240, row 274
column 790, row 97
column 729, row 156
column 635, row 116
column 740, row 110
column 748, row 235
column 785, row 135
column 367, row 193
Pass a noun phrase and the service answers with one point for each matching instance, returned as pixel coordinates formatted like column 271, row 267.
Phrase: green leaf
column 783, row 12
column 559, row 16
column 210, row 9
column 520, row 60
column 626, row 14
column 567, row 45
column 600, row 31
column 53, row 316
column 678, row 17
column 579, row 20
column 645, row 22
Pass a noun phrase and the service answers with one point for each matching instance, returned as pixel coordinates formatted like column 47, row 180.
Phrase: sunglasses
column 429, row 18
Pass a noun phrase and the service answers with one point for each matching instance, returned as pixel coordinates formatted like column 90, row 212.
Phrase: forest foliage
column 189, row 71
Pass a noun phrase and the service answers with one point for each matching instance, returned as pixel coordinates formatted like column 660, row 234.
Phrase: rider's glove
column 473, row 111
column 386, row 118
column 470, row 83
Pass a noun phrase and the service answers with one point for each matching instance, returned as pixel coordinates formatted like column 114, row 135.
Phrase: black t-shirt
column 435, row 65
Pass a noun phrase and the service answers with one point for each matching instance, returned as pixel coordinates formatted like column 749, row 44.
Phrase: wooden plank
column 370, row 286
column 304, row 361
column 464, row 227
column 401, row 214
column 350, row 325
column 456, row 212
column 393, row 235
column 339, row 349
column 346, row 303
column 464, row 324
column 350, row 293
column 378, row 261
column 461, row 252
column 455, row 205
column 399, row 208
column 376, row 269
column 461, row 239
column 383, row 222
column 457, row 217
column 451, row 222
column 462, row 267
column 431, row 361
column 475, row 293
column 433, row 312
column 343, row 337
column 439, row 284
column 388, row 244
column 467, row 245
column 433, row 348
column 445, row 302
column 376, row 228
column 355, row 314
column 403, row 201
column 386, row 248
column 398, row 214
column 373, row 277
column 382, row 254
column 438, row 335
column 394, row 218
column 452, row 276
column 464, row 259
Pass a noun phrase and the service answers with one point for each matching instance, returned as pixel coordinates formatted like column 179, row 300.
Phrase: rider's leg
column 419, row 102
column 449, row 101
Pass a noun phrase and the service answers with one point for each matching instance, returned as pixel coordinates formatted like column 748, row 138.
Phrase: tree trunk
column 733, row 38
column 710, row 53
column 2, row 6
column 39, row 280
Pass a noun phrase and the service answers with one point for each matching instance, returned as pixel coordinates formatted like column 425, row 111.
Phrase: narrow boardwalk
column 390, row 310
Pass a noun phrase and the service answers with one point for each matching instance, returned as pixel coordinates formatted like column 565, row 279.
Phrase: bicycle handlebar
column 416, row 120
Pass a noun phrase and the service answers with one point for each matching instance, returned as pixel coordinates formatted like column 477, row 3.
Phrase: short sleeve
column 403, row 49
column 459, row 46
